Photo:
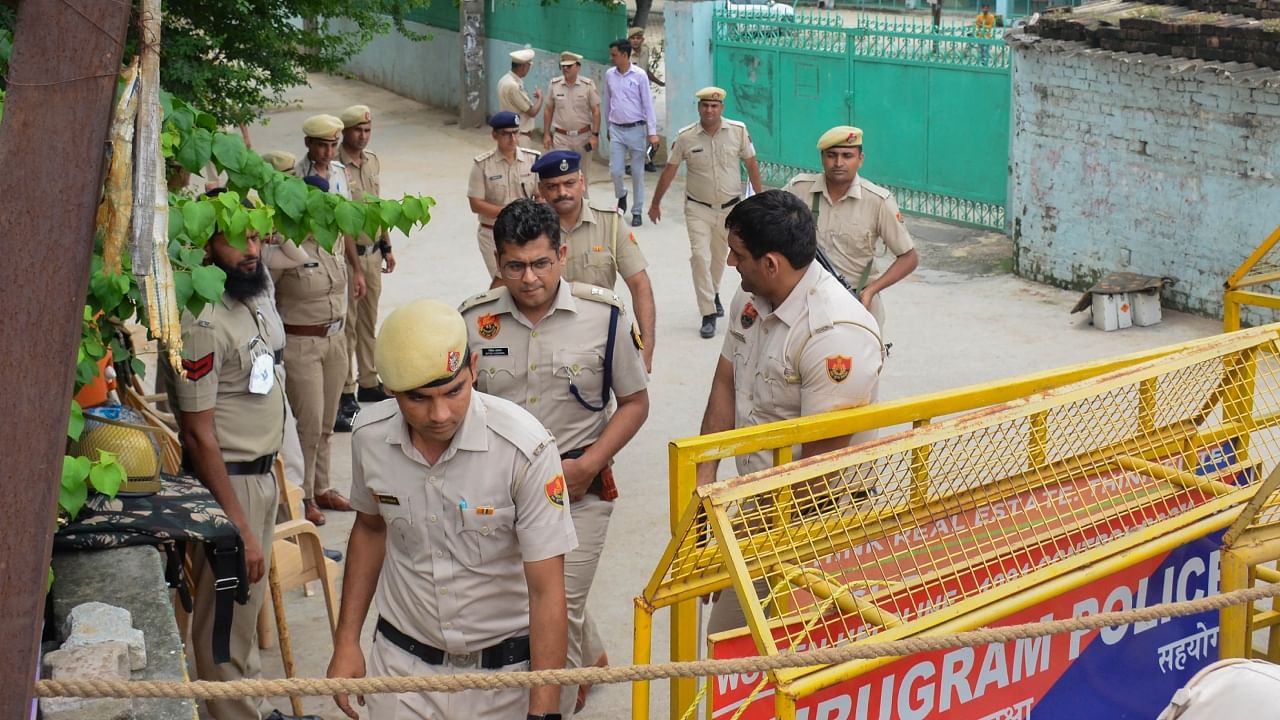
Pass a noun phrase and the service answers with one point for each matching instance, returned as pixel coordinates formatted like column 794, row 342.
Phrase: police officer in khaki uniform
column 572, row 118
column 798, row 342
column 513, row 98
column 714, row 149
column 461, row 533
column 230, row 407
column 498, row 177
column 852, row 214
column 281, row 160
column 312, row 300
column 321, row 135
column 563, row 351
column 600, row 247
column 374, row 258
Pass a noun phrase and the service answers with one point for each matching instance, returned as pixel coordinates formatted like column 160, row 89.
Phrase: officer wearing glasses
column 564, row 351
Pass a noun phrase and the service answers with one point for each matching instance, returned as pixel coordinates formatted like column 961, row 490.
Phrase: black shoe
column 277, row 715
column 719, row 307
column 628, row 168
column 635, row 220
column 344, row 423
column 333, row 555
column 708, row 328
column 622, row 204
column 347, row 404
column 650, row 167
column 377, row 393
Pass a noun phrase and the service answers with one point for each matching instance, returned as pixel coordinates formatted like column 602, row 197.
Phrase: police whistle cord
column 308, row 687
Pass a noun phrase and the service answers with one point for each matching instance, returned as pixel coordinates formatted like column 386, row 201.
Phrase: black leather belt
column 508, row 652
column 257, row 466
column 381, row 246
column 729, row 204
column 630, row 124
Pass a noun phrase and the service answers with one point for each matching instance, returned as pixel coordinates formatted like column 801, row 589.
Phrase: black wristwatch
column 548, row 716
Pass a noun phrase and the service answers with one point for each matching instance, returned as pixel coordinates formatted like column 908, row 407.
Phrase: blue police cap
column 557, row 163
column 504, row 120
column 316, row 181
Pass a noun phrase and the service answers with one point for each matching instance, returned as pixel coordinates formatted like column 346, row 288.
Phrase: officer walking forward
column 572, row 117
column 231, row 413
column 498, row 177
column 852, row 214
column 714, row 148
column 565, row 352
column 599, row 246
column 798, row 343
column 462, row 527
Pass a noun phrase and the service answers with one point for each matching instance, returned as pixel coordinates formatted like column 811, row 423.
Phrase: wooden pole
column 62, row 76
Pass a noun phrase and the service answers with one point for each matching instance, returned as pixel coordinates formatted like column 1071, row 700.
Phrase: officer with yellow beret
column 373, row 257
column 572, row 118
column 714, row 148
column 498, row 177
column 321, row 134
column 460, row 535
column 853, row 215
column 282, row 160
column 513, row 98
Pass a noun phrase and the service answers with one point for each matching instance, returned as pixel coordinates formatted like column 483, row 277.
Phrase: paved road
column 960, row 319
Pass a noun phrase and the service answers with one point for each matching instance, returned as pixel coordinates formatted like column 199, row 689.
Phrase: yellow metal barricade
column 901, row 536
column 1260, row 271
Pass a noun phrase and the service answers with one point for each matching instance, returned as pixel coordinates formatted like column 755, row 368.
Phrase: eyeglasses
column 515, row 270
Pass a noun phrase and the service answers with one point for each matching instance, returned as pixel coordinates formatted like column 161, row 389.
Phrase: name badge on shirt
column 386, row 499
column 494, row 352
column 695, row 150
column 262, row 375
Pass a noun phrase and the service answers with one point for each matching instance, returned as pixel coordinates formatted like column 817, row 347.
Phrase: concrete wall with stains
column 1160, row 166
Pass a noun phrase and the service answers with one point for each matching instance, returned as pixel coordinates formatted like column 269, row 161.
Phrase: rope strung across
column 306, row 687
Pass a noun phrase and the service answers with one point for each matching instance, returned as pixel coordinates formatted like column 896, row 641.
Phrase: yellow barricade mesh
column 875, row 537
column 1262, row 267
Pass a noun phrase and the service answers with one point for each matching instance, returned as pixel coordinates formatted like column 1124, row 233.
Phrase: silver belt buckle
column 572, row 133
column 462, row 660
column 333, row 328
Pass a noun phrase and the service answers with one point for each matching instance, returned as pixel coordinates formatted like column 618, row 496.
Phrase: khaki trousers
column 386, row 659
column 560, row 141
column 362, row 324
column 591, row 521
column 315, row 370
column 488, row 250
column 257, row 496
column 708, row 251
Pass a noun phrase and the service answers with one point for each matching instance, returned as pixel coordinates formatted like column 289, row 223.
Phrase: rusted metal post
column 62, row 75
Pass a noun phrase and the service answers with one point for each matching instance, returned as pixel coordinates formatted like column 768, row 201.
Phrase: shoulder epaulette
column 804, row 177
column 516, row 426
column 373, row 414
column 880, row 192
column 686, row 128
column 535, row 153
column 585, row 291
column 557, row 79
column 734, row 123
column 481, row 299
column 485, row 155
column 605, row 209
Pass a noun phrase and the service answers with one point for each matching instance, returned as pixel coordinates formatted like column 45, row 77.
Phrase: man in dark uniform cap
column 498, row 177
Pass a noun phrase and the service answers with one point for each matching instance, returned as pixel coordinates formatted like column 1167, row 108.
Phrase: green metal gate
column 933, row 103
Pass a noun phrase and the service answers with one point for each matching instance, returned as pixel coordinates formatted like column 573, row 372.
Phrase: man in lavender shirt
column 632, row 122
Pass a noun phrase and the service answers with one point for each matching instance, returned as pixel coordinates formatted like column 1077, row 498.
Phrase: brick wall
column 1154, row 165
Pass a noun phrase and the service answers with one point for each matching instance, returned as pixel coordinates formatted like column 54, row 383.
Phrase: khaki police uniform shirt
column 363, row 179
column 219, row 349
column 453, row 576
column 817, row 351
column 848, row 229
column 714, row 160
column 601, row 247
column 533, row 365
column 512, row 97
column 497, row 180
column 572, row 103
column 315, row 292
column 338, row 181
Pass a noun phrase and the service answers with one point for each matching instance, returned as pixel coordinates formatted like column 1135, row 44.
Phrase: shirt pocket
column 497, row 375
column 699, row 161
column 581, row 369
column 308, row 280
column 486, row 537
column 401, row 523
column 778, row 385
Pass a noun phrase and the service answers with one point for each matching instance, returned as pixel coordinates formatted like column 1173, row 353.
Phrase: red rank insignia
column 555, row 491
column 489, row 326
column 749, row 316
column 196, row 369
column 838, row 367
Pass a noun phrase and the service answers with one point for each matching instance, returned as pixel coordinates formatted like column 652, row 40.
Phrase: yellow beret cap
column 634, row 32
column 710, row 93
column 355, row 115
column 421, row 343
column 569, row 58
column 840, row 136
column 281, row 160
column 322, row 127
column 522, row 56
